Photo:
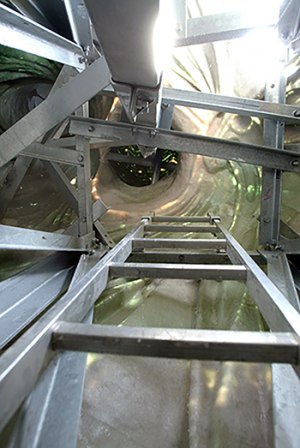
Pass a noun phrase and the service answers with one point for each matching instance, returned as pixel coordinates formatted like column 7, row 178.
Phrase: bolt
column 91, row 128
column 165, row 105
column 272, row 86
column 295, row 162
column 267, row 220
column 83, row 219
column 296, row 113
column 153, row 132
column 80, row 158
column 285, row 34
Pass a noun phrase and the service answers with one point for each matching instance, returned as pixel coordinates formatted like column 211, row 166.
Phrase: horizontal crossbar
column 178, row 343
column 17, row 238
column 170, row 243
column 183, row 219
column 182, row 271
column 182, row 229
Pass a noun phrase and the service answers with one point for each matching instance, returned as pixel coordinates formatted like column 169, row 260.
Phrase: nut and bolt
column 80, row 158
column 296, row 113
column 91, row 128
column 295, row 162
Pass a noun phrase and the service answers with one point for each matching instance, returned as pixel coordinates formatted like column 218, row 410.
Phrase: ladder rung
column 170, row 243
column 181, row 219
column 182, row 271
column 178, row 257
column 178, row 343
column 184, row 229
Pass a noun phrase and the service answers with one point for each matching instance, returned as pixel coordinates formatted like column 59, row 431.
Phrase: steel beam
column 234, row 105
column 286, row 386
column 17, row 238
column 270, row 206
column 178, row 343
column 224, row 26
column 26, row 295
column 24, row 34
column 290, row 246
column 61, row 383
column 182, row 271
column 80, row 25
column 54, row 109
column 280, row 273
column 189, row 143
column 52, row 154
column 22, row 363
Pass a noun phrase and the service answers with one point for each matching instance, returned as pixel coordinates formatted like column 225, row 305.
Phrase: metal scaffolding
column 39, row 337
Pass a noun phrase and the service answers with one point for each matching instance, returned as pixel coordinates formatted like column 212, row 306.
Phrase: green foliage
column 15, row 64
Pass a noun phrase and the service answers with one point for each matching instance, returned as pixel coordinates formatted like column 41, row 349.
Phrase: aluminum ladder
column 66, row 328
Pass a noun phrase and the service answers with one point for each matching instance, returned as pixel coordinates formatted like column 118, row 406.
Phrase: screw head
column 91, row 128
column 295, row 162
column 80, row 158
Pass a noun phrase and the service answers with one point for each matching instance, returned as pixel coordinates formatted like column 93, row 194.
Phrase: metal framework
column 39, row 337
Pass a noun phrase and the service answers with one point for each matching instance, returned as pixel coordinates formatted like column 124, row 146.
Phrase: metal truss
column 40, row 334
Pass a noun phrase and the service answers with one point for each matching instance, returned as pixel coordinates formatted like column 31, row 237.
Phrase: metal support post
column 272, row 178
column 84, row 187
